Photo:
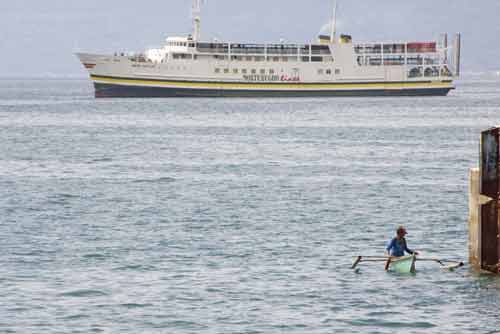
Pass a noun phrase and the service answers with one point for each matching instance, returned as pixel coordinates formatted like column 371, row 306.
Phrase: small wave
column 100, row 160
column 18, row 309
column 65, row 195
column 61, row 199
column 10, row 331
column 383, row 313
column 135, row 305
column 376, row 322
column 182, row 324
column 34, row 252
column 158, row 180
column 76, row 317
column 84, row 293
column 135, row 267
column 96, row 256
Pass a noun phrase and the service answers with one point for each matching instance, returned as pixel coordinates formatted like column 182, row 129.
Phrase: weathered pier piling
column 484, row 196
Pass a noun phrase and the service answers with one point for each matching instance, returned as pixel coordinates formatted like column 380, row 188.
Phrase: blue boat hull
column 106, row 90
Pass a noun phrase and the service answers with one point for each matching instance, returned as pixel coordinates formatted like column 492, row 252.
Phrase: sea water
column 236, row 215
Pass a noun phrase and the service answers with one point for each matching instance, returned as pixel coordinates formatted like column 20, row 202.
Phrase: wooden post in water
column 484, row 217
column 474, row 216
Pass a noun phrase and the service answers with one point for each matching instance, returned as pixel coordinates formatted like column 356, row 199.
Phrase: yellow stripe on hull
column 272, row 86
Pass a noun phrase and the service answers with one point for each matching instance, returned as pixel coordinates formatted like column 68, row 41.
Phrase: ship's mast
column 196, row 13
column 333, row 32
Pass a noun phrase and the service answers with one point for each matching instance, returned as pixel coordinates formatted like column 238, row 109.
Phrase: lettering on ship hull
column 268, row 78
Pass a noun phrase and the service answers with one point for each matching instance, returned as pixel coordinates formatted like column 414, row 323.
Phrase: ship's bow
column 89, row 61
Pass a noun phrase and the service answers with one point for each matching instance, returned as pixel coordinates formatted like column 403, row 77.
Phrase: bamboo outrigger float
column 406, row 264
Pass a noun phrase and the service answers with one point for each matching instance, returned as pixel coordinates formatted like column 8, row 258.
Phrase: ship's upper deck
column 188, row 45
column 261, row 49
column 421, row 58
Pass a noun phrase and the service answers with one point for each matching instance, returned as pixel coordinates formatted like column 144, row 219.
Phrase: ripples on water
column 238, row 215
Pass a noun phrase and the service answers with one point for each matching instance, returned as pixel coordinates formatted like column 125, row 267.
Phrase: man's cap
column 401, row 229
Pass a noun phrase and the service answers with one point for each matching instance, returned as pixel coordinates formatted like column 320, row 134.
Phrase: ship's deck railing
column 421, row 59
column 263, row 49
column 396, row 48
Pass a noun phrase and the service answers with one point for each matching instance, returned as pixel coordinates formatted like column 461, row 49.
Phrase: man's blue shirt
column 397, row 247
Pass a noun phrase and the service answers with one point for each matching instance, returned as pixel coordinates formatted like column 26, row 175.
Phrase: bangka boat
column 406, row 264
column 402, row 265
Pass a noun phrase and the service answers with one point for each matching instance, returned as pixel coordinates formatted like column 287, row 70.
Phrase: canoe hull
column 403, row 265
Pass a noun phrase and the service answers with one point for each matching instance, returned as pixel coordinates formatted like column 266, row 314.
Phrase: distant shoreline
column 55, row 78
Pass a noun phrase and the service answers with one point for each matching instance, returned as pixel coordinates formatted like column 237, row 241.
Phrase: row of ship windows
column 328, row 71
column 397, row 60
column 181, row 44
column 257, row 58
column 270, row 71
column 276, row 59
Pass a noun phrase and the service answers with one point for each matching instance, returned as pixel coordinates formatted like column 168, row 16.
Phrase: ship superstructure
column 333, row 66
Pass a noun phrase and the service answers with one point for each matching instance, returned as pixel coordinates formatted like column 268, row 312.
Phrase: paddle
column 387, row 264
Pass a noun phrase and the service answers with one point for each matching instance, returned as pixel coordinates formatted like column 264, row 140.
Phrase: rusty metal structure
column 484, row 206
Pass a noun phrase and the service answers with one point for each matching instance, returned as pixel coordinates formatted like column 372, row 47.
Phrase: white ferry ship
column 333, row 66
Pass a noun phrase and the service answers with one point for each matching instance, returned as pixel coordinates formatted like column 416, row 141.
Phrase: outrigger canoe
column 406, row 264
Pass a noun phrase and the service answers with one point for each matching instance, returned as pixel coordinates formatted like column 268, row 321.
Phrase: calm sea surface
column 236, row 215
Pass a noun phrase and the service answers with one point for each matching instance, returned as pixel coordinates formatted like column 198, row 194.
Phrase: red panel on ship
column 422, row 47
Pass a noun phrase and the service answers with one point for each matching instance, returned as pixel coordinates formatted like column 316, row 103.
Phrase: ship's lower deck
column 114, row 87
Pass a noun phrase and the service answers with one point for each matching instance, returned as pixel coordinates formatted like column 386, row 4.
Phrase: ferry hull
column 108, row 90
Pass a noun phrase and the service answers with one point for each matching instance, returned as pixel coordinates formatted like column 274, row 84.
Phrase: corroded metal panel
column 490, row 187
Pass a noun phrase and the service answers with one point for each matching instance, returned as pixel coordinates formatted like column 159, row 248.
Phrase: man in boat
column 397, row 246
